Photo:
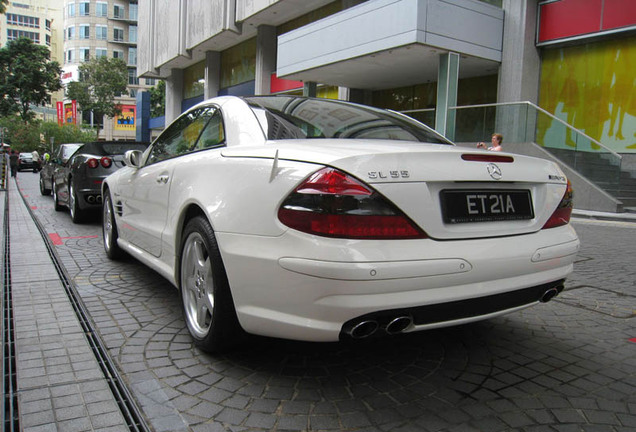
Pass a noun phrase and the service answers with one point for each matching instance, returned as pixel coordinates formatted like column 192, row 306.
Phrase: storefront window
column 238, row 64
column 194, row 80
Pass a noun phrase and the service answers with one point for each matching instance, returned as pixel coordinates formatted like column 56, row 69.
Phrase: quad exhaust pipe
column 367, row 328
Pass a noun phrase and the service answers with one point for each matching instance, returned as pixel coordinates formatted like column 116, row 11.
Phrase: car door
column 145, row 195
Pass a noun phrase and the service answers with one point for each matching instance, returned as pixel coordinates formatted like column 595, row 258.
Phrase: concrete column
column 343, row 93
column 142, row 120
column 520, row 63
column 174, row 94
column 266, row 46
column 309, row 89
column 447, row 78
column 212, row 74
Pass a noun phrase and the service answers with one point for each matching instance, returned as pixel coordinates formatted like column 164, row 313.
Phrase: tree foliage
column 3, row 6
column 101, row 80
column 27, row 77
column 36, row 134
column 158, row 99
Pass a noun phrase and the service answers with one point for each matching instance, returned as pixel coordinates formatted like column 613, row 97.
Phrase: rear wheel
column 56, row 200
column 109, row 229
column 207, row 301
column 77, row 214
column 43, row 189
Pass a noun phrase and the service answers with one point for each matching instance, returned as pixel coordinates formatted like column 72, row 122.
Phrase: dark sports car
column 77, row 182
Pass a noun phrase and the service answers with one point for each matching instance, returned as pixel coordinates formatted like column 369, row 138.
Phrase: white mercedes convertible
column 321, row 220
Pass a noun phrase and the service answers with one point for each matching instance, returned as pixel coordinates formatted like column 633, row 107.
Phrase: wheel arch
column 190, row 212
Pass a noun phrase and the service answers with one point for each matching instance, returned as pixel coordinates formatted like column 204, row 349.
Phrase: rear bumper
column 302, row 287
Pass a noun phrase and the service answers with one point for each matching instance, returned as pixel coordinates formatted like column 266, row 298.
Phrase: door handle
column 162, row 179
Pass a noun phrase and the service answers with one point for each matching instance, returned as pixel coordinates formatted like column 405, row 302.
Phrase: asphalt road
column 568, row 365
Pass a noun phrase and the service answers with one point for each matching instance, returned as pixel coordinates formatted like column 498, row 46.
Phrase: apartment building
column 40, row 21
column 97, row 28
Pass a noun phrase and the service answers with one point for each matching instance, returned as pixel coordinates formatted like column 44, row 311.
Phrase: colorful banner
column 126, row 120
column 60, row 113
column 69, row 118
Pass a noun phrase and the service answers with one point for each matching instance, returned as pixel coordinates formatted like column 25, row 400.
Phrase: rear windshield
column 111, row 149
column 287, row 117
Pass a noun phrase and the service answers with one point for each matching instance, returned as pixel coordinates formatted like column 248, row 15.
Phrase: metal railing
column 523, row 122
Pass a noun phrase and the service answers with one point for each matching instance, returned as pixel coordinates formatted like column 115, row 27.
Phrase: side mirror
column 132, row 158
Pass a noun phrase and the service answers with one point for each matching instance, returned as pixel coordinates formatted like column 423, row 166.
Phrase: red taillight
column 331, row 203
column 561, row 215
column 106, row 162
column 92, row 163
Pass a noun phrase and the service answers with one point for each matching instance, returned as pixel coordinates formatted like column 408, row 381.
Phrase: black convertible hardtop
column 111, row 148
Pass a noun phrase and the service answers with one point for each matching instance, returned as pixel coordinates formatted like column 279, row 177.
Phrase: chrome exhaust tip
column 549, row 295
column 364, row 329
column 399, row 324
column 90, row 199
column 98, row 199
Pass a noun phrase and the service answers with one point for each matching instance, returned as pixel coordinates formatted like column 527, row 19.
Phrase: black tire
column 109, row 229
column 208, row 307
column 43, row 189
column 56, row 201
column 77, row 214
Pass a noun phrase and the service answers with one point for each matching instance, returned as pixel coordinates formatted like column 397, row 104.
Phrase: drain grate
column 10, row 412
column 127, row 405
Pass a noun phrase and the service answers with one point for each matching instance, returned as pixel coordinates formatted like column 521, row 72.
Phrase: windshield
column 288, row 117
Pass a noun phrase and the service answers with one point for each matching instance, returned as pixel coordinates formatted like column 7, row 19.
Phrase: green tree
column 64, row 134
column 3, row 6
column 27, row 77
column 101, row 80
column 158, row 99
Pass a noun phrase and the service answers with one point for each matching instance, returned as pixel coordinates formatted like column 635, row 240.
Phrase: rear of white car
column 390, row 241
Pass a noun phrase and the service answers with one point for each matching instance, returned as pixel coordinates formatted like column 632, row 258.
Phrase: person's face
column 493, row 140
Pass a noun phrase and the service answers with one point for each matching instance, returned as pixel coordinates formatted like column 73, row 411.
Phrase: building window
column 85, row 54
column 118, row 54
column 48, row 40
column 85, row 9
column 132, row 11
column 70, row 33
column 48, row 25
column 101, row 52
column 132, row 77
column 101, row 9
column 71, row 10
column 118, row 34
column 132, row 34
column 23, row 20
column 132, row 56
column 16, row 34
column 70, row 56
column 84, row 31
column 118, row 11
column 151, row 81
column 101, row 32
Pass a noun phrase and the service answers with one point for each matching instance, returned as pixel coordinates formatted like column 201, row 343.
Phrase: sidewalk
column 60, row 385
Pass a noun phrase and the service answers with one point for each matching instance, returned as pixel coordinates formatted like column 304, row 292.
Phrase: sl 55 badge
column 388, row 174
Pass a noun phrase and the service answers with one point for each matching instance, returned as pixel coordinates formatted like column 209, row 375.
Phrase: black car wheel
column 43, row 189
column 77, row 214
column 109, row 229
column 207, row 301
column 56, row 201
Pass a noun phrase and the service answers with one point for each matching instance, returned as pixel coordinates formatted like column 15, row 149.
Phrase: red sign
column 74, row 107
column 280, row 85
column 60, row 112
column 570, row 18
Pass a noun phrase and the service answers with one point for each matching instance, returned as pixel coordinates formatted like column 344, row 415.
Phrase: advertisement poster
column 126, row 120
column 70, row 113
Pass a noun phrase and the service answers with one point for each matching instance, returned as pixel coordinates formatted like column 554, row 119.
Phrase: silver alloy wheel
column 72, row 201
column 108, row 223
column 197, row 285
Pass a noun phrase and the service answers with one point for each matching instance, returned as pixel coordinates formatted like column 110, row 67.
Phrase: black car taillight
column 331, row 203
column 561, row 215
column 106, row 162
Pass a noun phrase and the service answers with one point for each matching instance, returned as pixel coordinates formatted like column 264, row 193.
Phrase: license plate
column 461, row 206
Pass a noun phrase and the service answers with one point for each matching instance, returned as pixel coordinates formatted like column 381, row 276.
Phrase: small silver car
column 77, row 182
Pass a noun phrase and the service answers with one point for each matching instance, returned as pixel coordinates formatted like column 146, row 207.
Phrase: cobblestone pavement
column 568, row 365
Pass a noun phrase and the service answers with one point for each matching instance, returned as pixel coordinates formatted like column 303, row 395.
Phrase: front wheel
column 109, row 229
column 207, row 301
